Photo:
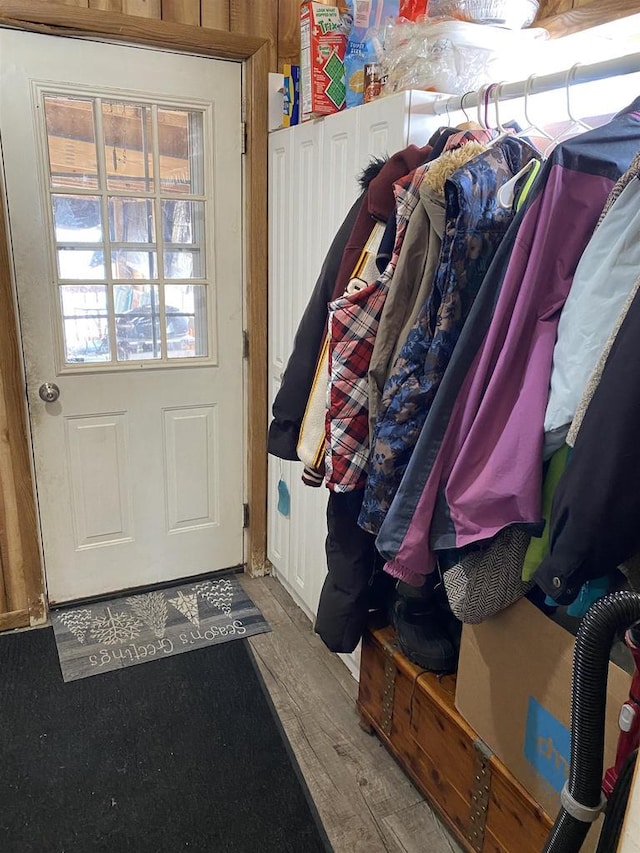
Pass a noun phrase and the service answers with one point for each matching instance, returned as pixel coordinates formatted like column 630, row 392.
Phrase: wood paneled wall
column 21, row 581
column 276, row 20
column 562, row 17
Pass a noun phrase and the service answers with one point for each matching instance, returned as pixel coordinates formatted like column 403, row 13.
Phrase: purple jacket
column 478, row 463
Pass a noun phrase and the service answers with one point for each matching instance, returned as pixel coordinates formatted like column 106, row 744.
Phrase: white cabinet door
column 383, row 127
column 281, row 253
column 281, row 277
column 308, row 210
column 123, row 177
column 340, row 169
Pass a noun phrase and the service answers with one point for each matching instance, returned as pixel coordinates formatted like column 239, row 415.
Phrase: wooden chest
column 413, row 712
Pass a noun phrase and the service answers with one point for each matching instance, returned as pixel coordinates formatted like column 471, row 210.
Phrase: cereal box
column 322, row 47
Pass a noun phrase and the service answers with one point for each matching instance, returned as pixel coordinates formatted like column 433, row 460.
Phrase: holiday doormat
column 183, row 756
column 121, row 632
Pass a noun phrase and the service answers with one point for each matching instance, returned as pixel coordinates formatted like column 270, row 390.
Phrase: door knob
column 49, row 392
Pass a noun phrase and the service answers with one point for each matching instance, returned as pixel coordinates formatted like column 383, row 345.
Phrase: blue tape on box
column 547, row 745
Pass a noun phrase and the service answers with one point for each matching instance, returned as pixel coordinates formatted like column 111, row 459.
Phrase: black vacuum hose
column 597, row 632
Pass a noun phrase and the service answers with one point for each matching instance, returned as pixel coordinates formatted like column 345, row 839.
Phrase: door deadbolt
column 49, row 392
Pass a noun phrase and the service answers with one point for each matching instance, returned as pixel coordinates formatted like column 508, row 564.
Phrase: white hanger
column 576, row 123
column 531, row 125
column 507, row 192
column 503, row 132
column 462, row 105
column 481, row 93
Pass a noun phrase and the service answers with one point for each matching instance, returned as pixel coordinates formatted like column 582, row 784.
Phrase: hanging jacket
column 475, row 226
column 291, row 400
column 596, row 376
column 353, row 323
column 311, row 447
column 417, row 263
column 603, row 279
column 375, row 205
column 380, row 205
column 596, row 507
column 477, row 464
column 438, row 143
column 353, row 326
column 354, row 583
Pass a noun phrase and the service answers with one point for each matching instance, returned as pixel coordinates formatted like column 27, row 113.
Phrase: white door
column 123, row 178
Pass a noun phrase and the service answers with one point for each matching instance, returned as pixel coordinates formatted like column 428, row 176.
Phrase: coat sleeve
column 595, row 518
column 291, row 400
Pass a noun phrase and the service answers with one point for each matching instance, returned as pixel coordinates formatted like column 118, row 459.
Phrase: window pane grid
column 158, row 215
column 130, row 277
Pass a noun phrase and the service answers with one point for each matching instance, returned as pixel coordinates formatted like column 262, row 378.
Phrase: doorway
column 123, row 172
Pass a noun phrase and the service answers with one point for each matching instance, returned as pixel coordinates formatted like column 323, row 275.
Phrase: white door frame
column 254, row 54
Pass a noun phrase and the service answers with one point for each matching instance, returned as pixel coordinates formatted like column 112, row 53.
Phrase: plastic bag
column 453, row 56
column 366, row 41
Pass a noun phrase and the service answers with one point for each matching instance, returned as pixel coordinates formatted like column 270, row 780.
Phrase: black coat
column 595, row 518
column 291, row 400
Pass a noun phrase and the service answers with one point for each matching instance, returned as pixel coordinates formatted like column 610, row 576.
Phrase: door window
column 128, row 224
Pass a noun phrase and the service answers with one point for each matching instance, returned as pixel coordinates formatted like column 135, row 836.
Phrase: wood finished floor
column 365, row 801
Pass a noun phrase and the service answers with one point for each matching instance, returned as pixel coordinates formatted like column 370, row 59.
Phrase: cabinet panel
column 280, row 244
column 308, row 530
column 278, row 525
column 384, row 127
column 306, row 249
column 340, row 169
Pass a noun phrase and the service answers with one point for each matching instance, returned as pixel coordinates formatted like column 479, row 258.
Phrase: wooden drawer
column 413, row 712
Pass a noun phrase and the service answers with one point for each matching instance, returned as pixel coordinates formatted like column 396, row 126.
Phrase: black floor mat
column 180, row 755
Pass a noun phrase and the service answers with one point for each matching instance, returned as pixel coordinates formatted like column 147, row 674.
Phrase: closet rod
column 616, row 67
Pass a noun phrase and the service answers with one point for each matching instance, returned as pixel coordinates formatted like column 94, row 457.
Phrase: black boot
column 423, row 628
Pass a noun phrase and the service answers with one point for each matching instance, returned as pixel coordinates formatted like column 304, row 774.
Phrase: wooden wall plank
column 257, row 69
column 181, row 11
column 247, row 16
column 21, row 566
column 81, row 4
column 215, row 14
column 548, row 8
column 13, row 582
column 15, row 619
column 4, row 606
column 288, row 32
column 592, row 14
column 106, row 5
column 55, row 19
column 143, row 8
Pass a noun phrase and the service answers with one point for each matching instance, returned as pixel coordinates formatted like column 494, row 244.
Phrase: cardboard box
column 322, row 47
column 291, row 102
column 514, row 689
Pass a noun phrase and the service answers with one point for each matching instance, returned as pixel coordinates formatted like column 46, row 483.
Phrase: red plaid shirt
column 353, row 325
